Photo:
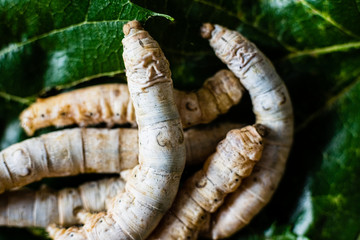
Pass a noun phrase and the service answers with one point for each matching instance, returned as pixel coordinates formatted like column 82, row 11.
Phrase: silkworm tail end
column 261, row 129
column 26, row 120
column 54, row 231
column 206, row 30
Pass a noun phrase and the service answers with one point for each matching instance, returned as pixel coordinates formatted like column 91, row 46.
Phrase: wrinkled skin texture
column 273, row 109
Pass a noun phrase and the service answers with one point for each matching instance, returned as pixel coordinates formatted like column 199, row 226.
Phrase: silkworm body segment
column 108, row 103
column 216, row 96
column 67, row 152
column 26, row 208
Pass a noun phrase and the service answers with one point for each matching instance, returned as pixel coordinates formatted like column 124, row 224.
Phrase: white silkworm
column 66, row 153
column 26, row 208
column 272, row 108
column 152, row 187
column 111, row 104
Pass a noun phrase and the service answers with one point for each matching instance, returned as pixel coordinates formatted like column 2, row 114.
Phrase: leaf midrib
column 11, row 47
column 30, row 99
column 328, row 19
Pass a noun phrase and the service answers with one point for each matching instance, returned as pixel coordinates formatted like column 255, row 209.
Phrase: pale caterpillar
column 91, row 150
column 111, row 104
column 205, row 191
column 26, row 208
column 272, row 108
column 67, row 152
column 153, row 184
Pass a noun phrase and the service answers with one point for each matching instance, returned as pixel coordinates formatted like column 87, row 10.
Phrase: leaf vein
column 29, row 100
column 87, row 11
column 325, row 50
column 328, row 19
column 17, row 45
column 331, row 101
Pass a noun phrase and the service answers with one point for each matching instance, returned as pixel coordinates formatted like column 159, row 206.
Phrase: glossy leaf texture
column 314, row 45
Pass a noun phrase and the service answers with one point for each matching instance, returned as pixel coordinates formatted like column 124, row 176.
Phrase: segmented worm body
column 204, row 192
column 111, row 104
column 272, row 108
column 153, row 184
column 26, row 208
column 108, row 103
column 91, row 150
column 67, row 152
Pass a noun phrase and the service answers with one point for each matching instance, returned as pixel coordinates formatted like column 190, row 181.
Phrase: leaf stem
column 10, row 97
column 164, row 15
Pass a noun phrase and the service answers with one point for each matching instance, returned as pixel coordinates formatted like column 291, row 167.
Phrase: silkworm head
column 131, row 25
column 206, row 30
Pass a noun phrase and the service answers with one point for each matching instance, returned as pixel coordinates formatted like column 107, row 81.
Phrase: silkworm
column 153, row 184
column 272, row 108
column 205, row 191
column 27, row 208
column 91, row 150
column 111, row 104
column 65, row 153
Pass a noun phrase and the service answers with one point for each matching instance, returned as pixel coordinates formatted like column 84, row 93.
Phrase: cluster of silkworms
column 235, row 182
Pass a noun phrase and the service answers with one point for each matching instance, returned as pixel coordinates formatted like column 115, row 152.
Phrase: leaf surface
column 59, row 43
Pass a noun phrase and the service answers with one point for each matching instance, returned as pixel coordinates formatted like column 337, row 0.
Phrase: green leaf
column 59, row 43
column 331, row 193
column 314, row 45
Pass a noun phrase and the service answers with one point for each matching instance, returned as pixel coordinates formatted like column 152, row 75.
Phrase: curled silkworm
column 272, row 108
column 153, row 184
column 111, row 104
column 91, row 150
column 205, row 191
